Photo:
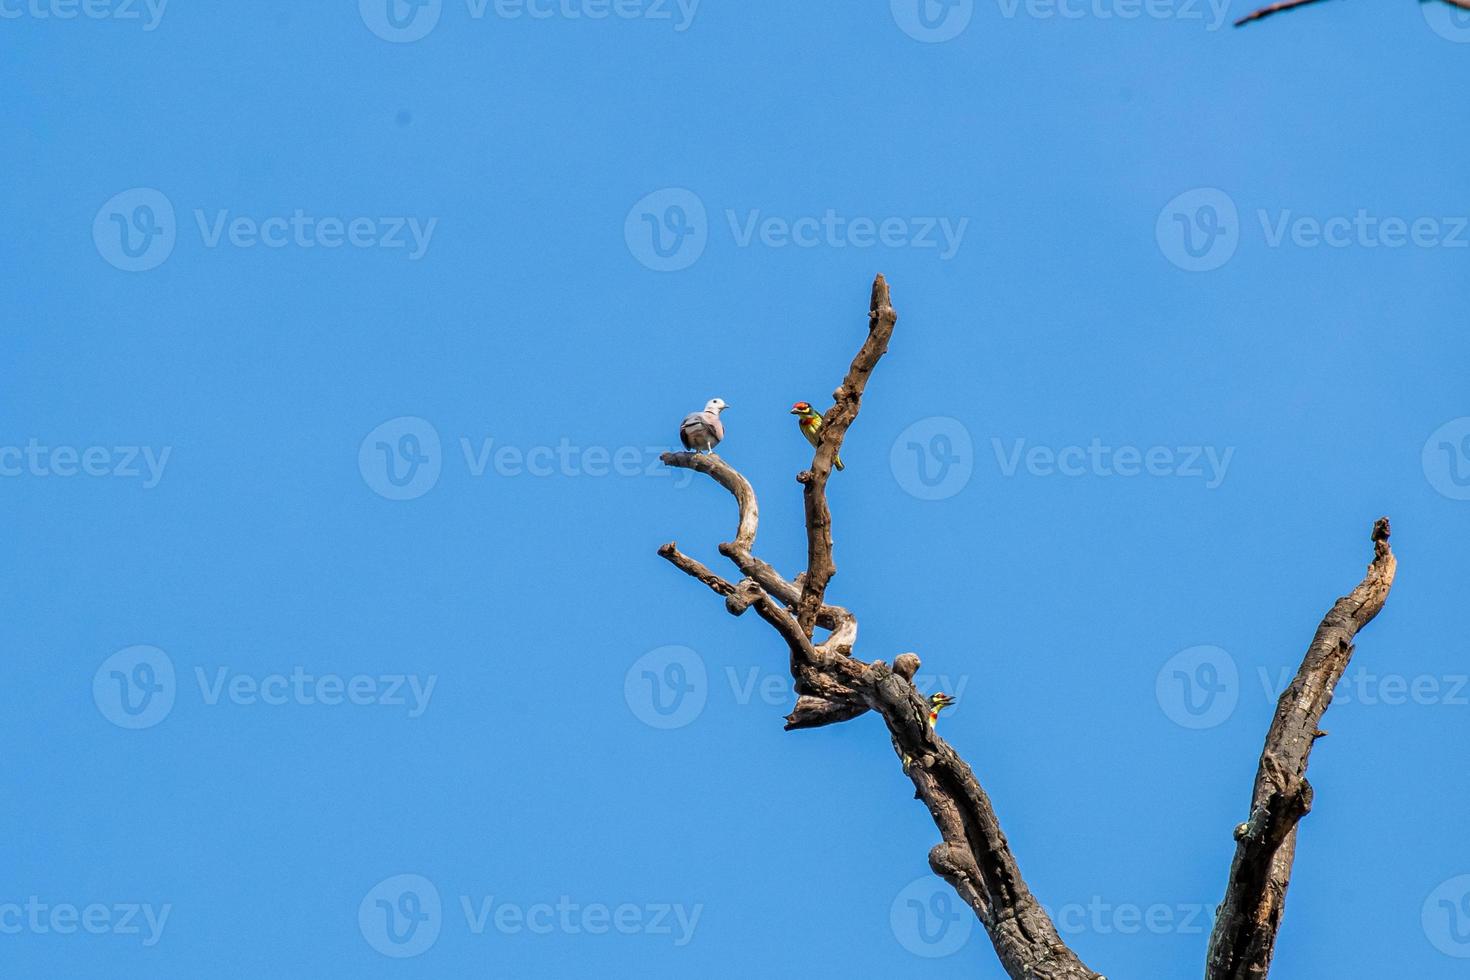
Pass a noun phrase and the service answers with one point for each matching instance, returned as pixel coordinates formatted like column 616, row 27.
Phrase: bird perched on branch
column 938, row 701
column 809, row 420
column 703, row 431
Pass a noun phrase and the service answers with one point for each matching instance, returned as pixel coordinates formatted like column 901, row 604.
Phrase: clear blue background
column 530, row 320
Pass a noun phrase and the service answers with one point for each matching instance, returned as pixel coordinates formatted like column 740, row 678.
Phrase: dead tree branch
column 1248, row 919
column 974, row 855
column 1284, row 5
column 846, row 401
column 1274, row 8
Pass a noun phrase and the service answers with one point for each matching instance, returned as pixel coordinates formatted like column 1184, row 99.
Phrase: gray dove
column 702, row 431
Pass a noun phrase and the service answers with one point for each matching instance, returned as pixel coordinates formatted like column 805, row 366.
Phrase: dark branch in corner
column 1285, row 5
column 1248, row 919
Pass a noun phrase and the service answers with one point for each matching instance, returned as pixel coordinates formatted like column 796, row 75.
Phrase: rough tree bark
column 1247, row 920
column 973, row 854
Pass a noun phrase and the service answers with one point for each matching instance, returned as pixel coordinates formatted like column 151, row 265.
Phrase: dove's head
column 716, row 405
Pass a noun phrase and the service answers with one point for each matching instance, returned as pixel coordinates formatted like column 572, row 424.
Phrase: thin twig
column 1274, row 8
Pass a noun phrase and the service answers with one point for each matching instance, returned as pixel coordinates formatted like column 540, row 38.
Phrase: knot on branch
column 906, row 665
column 952, row 862
column 1381, row 532
column 1381, row 529
column 746, row 594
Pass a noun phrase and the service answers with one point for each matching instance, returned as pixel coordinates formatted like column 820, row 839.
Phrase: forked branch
column 973, row 854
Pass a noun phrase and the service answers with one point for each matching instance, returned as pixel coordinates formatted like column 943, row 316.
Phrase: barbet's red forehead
column 803, row 406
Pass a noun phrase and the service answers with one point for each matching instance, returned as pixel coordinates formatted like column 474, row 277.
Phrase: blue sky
column 341, row 347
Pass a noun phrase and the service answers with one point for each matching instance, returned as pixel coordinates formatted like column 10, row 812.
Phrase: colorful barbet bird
column 702, row 431
column 938, row 701
column 809, row 420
